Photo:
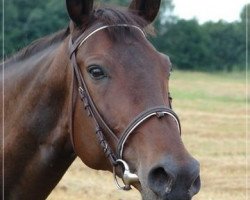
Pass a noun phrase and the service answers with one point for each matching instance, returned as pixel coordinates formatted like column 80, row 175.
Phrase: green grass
column 209, row 87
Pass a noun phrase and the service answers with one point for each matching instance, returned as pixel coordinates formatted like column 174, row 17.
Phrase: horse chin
column 149, row 195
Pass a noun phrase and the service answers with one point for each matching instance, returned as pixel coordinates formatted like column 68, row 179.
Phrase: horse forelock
column 115, row 16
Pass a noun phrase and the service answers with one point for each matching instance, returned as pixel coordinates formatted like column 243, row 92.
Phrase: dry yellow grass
column 213, row 114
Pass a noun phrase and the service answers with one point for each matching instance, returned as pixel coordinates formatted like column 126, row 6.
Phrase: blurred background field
column 212, row 109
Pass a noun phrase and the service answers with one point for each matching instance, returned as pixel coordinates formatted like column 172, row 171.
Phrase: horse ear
column 148, row 9
column 79, row 10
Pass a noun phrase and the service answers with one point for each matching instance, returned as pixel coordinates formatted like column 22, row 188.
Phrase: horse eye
column 96, row 72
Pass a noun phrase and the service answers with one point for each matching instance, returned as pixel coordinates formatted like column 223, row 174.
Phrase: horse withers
column 97, row 90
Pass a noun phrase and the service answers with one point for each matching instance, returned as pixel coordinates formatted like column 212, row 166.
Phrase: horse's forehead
column 129, row 51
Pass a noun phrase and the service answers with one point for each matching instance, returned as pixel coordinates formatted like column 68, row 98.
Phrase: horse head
column 123, row 82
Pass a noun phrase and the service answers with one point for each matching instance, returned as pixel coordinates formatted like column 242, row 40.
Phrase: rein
column 115, row 158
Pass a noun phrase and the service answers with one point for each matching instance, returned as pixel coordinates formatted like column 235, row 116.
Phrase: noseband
column 115, row 158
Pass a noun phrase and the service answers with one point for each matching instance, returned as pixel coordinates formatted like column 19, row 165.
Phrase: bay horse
column 98, row 90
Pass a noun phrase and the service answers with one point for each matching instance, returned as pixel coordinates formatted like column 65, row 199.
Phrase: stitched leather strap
column 84, row 94
column 158, row 111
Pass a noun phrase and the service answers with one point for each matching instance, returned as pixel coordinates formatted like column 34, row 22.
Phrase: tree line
column 210, row 46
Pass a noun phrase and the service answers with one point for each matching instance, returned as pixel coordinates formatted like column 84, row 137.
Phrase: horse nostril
column 195, row 187
column 173, row 180
column 160, row 181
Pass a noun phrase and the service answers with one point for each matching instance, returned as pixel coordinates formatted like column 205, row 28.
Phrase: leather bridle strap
column 89, row 105
column 159, row 111
column 85, row 97
column 92, row 112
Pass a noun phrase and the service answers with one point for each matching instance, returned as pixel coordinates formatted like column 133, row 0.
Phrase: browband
column 83, row 38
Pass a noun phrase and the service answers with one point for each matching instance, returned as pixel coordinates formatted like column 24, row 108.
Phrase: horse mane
column 39, row 45
column 107, row 16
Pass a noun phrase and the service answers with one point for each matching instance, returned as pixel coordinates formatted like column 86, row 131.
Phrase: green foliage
column 210, row 46
column 244, row 15
column 26, row 21
column 245, row 22
column 184, row 43
column 226, row 45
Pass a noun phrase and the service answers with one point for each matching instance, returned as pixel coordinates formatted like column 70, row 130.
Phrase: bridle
column 115, row 157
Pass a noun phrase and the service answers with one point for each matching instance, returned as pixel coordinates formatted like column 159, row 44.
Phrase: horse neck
column 37, row 123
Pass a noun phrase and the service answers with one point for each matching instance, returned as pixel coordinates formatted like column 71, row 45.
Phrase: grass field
column 212, row 109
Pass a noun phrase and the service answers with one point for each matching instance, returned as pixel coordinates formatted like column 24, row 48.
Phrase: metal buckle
column 127, row 177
